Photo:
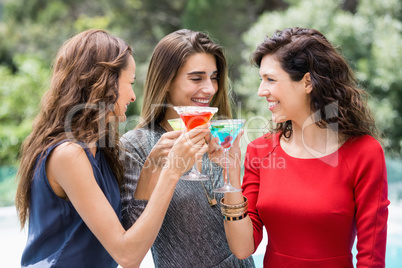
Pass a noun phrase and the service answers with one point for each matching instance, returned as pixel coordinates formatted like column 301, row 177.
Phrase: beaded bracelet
column 235, row 218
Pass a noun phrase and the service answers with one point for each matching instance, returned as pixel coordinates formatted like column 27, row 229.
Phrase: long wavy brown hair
column 77, row 107
column 336, row 99
column 169, row 55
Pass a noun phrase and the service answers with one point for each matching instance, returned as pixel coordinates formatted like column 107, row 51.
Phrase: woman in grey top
column 186, row 68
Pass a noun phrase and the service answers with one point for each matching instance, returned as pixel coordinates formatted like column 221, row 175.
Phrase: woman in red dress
column 318, row 179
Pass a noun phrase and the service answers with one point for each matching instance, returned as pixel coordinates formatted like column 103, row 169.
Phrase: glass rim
column 185, row 109
column 227, row 122
column 175, row 119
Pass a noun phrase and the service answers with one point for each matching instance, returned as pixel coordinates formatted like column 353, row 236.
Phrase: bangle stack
column 234, row 212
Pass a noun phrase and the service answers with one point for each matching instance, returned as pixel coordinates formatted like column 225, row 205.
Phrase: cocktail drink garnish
column 176, row 124
column 226, row 131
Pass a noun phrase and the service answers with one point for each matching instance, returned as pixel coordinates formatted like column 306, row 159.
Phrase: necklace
column 212, row 201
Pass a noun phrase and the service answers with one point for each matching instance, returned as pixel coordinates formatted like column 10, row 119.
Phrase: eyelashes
column 198, row 79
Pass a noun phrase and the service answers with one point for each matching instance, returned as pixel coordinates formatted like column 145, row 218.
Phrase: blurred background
column 367, row 32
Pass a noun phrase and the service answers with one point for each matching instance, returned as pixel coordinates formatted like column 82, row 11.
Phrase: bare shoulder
column 67, row 164
column 67, row 152
column 66, row 158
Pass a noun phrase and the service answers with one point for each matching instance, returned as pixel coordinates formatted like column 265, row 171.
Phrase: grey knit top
column 192, row 234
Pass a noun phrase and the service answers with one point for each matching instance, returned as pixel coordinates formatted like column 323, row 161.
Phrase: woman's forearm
column 147, row 181
column 140, row 237
column 239, row 233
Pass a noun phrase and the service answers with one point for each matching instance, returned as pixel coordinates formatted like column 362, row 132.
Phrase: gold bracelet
column 235, row 211
column 235, row 215
column 235, row 218
column 241, row 205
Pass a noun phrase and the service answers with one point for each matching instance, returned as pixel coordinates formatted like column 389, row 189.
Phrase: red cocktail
column 194, row 116
column 192, row 120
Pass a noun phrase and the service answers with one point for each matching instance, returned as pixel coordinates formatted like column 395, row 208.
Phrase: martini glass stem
column 194, row 170
column 226, row 155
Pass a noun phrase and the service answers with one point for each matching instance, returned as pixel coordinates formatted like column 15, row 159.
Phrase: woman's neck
column 92, row 147
column 310, row 141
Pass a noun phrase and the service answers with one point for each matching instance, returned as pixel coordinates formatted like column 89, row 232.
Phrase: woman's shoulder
column 65, row 160
column 266, row 140
column 66, row 151
column 143, row 132
column 134, row 133
column 363, row 144
column 141, row 138
column 136, row 136
column 264, row 145
column 362, row 149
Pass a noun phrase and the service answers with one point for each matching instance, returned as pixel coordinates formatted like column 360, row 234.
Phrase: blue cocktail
column 226, row 131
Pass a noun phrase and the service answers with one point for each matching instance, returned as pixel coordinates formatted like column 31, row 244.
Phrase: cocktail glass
column 176, row 124
column 194, row 116
column 226, row 131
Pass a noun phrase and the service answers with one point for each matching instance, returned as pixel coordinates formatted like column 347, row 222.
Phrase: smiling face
column 126, row 92
column 287, row 99
column 195, row 83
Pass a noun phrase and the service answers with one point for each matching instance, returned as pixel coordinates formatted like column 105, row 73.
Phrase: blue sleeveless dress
column 57, row 235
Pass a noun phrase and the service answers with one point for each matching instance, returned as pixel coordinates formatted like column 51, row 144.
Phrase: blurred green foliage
column 32, row 31
column 370, row 39
column 368, row 32
column 20, row 93
column 7, row 185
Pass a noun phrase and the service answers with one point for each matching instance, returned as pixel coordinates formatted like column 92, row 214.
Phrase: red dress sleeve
column 371, row 191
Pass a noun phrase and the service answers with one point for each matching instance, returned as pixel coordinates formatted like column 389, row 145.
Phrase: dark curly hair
column 336, row 99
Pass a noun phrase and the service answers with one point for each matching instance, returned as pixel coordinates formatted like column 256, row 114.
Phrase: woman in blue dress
column 70, row 171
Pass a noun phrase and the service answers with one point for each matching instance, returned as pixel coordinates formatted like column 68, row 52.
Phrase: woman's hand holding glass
column 235, row 163
column 190, row 145
column 153, row 165
column 216, row 155
column 158, row 155
column 184, row 146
